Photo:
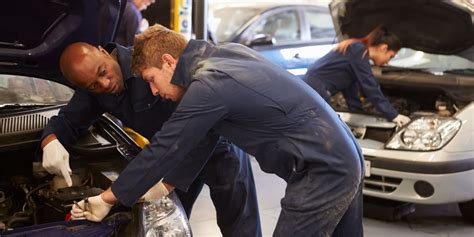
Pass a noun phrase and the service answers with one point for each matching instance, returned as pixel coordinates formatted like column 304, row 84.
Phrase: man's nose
column 154, row 90
column 104, row 83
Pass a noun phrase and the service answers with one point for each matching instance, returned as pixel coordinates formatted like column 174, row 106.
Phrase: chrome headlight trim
column 164, row 217
column 426, row 133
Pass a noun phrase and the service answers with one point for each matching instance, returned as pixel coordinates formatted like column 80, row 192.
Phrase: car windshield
column 22, row 90
column 413, row 59
column 224, row 22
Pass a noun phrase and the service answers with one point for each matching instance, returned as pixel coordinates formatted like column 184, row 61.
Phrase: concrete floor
column 440, row 220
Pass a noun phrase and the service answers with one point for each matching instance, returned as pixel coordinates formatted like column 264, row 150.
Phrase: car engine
column 36, row 197
column 410, row 101
column 432, row 103
column 31, row 196
column 32, row 200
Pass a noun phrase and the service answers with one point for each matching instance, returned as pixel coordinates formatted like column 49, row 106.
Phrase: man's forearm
column 169, row 187
column 47, row 140
column 109, row 197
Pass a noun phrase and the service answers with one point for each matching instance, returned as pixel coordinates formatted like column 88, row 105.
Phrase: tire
column 467, row 210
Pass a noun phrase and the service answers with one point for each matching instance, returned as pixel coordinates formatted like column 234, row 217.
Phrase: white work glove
column 156, row 192
column 56, row 160
column 94, row 209
column 77, row 212
column 401, row 120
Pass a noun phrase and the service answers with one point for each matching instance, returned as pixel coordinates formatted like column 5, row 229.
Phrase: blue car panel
column 78, row 228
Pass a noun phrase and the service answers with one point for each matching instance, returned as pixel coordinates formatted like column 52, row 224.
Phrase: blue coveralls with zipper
column 270, row 114
column 227, row 172
column 349, row 73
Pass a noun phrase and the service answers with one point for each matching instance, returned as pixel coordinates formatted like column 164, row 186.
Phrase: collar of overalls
column 124, row 58
column 189, row 60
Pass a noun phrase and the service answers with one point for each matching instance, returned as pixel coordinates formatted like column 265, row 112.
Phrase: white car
column 431, row 159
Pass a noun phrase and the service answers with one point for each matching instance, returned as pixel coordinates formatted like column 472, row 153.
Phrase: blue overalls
column 227, row 172
column 349, row 73
column 129, row 24
column 270, row 114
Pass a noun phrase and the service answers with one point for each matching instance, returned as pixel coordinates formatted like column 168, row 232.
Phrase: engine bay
column 407, row 99
column 407, row 102
column 31, row 196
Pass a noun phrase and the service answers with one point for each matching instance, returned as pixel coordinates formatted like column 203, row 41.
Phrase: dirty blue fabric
column 270, row 114
column 349, row 73
column 129, row 25
column 138, row 109
column 351, row 222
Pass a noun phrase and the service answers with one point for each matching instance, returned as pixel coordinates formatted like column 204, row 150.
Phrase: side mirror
column 262, row 40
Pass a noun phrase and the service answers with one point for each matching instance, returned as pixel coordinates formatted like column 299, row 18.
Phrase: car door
column 277, row 35
column 319, row 35
column 283, row 36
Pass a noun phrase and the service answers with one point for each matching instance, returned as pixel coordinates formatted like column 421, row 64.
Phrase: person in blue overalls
column 131, row 21
column 106, row 84
column 347, row 69
column 290, row 130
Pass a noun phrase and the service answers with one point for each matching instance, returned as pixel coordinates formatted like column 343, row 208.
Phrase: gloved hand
column 401, row 120
column 93, row 209
column 156, row 192
column 77, row 212
column 56, row 160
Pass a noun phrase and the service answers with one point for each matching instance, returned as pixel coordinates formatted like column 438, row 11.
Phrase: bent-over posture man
column 284, row 123
column 106, row 84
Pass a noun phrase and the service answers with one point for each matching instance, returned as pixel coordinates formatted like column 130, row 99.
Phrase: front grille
column 379, row 134
column 382, row 184
column 373, row 133
column 23, row 123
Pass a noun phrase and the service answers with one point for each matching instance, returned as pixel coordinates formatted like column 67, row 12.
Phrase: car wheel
column 467, row 210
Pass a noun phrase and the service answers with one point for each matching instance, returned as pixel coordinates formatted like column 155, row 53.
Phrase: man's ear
column 383, row 48
column 168, row 59
column 102, row 50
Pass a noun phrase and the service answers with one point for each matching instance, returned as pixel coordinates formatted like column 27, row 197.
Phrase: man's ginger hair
column 149, row 46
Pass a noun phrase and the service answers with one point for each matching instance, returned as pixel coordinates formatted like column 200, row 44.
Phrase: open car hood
column 433, row 26
column 33, row 33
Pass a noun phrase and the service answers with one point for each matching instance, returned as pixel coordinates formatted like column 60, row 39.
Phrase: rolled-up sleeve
column 198, row 111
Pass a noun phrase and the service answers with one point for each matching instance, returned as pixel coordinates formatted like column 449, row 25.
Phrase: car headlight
column 425, row 134
column 164, row 218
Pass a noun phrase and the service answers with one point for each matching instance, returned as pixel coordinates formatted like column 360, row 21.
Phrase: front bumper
column 419, row 177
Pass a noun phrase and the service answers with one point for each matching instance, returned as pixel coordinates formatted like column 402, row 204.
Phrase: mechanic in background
column 287, row 126
column 347, row 69
column 106, row 84
column 132, row 21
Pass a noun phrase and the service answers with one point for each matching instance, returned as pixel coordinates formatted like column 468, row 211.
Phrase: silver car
column 431, row 159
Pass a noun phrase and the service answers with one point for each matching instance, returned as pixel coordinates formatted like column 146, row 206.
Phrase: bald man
column 106, row 84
